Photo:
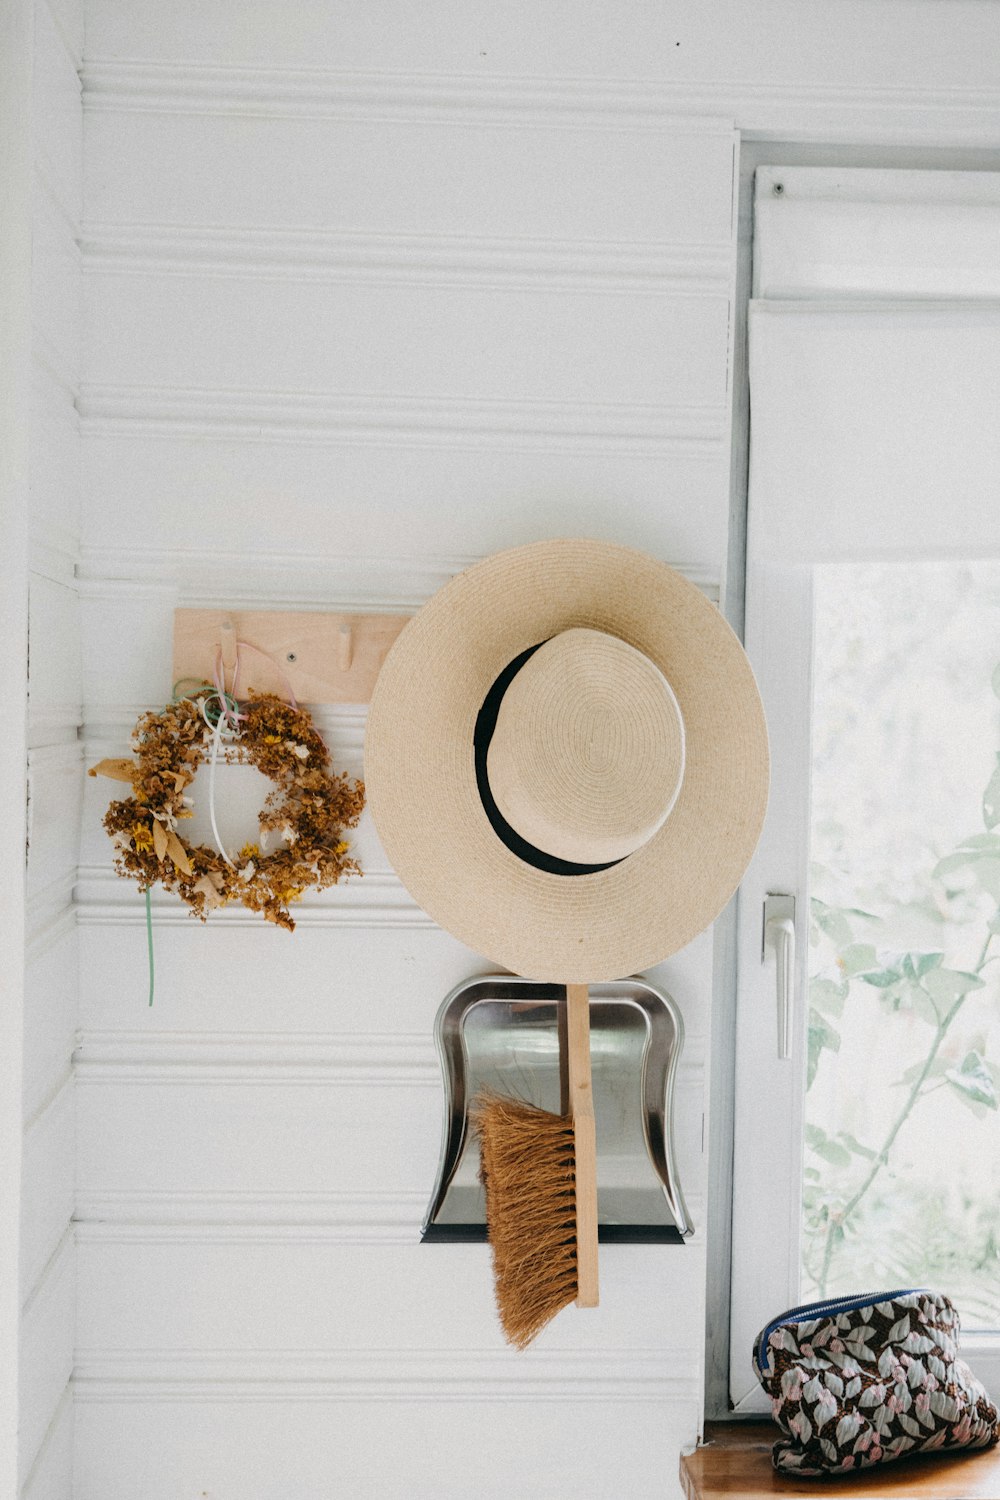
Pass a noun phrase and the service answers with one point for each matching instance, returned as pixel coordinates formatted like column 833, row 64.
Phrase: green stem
column 149, row 941
column 881, row 1159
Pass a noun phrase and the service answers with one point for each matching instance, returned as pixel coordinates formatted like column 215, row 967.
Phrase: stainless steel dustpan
column 503, row 1033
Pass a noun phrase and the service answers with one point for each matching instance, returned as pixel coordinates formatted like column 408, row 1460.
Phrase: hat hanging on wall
column 566, row 760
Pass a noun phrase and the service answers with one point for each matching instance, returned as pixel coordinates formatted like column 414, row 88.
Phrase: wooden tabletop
column 736, row 1461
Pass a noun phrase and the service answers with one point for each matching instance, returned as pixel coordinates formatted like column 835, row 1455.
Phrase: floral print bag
column 865, row 1379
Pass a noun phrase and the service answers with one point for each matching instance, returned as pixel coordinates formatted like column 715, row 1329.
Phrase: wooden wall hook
column 227, row 638
column 326, row 658
column 345, row 647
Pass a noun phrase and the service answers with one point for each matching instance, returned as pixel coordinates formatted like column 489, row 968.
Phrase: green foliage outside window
column 889, row 1200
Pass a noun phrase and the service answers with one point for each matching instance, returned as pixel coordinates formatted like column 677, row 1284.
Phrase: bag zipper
column 808, row 1310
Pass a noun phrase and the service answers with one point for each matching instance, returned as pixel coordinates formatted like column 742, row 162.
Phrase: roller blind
column 822, row 232
column 875, row 364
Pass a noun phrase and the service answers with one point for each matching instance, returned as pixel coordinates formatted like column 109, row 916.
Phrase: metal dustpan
column 501, row 1032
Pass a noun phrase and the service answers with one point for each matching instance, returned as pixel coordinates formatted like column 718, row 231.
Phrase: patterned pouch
column 862, row 1380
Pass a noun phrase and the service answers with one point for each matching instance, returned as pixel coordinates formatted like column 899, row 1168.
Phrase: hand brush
column 539, row 1172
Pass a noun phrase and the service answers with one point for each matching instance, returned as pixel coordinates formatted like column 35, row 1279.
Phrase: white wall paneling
column 463, row 298
column 626, row 427
column 353, row 981
column 462, row 260
column 57, row 262
column 51, row 1475
column 47, row 1342
column 58, row 139
column 16, row 74
column 55, row 473
column 893, row 52
column 269, row 1298
column 460, row 495
column 605, row 185
column 51, row 905
column 67, row 18
column 368, row 1106
column 271, row 1448
column 54, row 765
column 55, row 789
column 379, row 902
column 306, row 981
column 47, row 1252
column 369, row 977
column 55, row 708
column 51, row 983
column 360, row 1375
column 252, row 1134
column 242, row 579
column 560, row 364
column 249, row 1217
column 810, row 103
column 313, row 1340
column 49, row 1180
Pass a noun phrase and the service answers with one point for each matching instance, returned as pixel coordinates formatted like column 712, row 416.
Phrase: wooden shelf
column 736, row 1461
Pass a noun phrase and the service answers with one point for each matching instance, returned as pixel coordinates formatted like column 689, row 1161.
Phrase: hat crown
column 587, row 755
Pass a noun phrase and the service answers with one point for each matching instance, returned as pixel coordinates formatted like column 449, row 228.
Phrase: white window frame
column 769, row 1093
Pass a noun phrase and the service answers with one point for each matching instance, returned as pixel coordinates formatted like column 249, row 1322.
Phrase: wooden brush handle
column 581, row 1105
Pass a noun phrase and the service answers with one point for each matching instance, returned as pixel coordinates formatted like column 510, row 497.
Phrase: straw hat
column 566, row 760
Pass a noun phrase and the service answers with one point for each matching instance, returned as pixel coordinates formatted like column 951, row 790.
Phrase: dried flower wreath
column 309, row 808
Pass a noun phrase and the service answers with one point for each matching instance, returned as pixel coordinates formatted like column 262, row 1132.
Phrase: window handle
column 779, row 934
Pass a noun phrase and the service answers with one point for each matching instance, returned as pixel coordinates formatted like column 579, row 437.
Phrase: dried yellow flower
column 311, row 807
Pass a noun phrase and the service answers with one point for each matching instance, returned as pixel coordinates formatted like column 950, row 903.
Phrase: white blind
column 874, row 370
column 826, row 232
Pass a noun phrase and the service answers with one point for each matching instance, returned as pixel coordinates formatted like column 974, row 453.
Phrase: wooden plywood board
column 736, row 1462
column 323, row 658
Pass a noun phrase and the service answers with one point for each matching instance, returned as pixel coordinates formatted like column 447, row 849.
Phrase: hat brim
column 421, row 778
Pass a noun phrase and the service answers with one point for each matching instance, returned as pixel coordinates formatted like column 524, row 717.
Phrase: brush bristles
column 527, row 1168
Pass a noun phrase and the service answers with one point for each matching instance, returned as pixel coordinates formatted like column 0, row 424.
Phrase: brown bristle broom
column 539, row 1173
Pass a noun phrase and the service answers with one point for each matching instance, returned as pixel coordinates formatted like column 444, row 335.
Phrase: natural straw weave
column 421, row 779
column 587, row 756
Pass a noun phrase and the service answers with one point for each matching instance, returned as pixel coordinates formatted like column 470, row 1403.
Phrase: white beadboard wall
column 55, row 762
column 372, row 291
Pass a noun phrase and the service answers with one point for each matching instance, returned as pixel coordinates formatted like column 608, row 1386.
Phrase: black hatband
column 485, row 725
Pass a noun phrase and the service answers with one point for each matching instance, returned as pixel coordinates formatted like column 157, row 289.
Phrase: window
column 869, row 1157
